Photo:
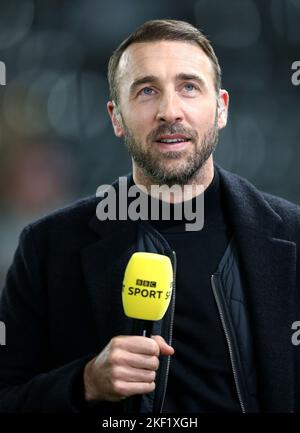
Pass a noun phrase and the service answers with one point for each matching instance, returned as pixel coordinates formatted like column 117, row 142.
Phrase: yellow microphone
column 147, row 287
column 146, row 294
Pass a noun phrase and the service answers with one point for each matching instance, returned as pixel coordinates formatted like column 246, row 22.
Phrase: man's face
column 168, row 109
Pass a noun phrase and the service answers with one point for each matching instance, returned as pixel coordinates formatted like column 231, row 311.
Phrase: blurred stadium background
column 56, row 142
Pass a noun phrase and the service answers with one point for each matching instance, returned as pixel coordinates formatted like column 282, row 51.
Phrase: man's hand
column 126, row 366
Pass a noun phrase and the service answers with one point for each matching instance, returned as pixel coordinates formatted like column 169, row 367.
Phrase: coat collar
column 246, row 205
column 107, row 228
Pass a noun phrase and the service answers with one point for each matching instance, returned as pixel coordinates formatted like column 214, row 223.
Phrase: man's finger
column 164, row 347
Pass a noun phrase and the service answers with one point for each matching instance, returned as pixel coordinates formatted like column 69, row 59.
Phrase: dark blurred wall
column 56, row 142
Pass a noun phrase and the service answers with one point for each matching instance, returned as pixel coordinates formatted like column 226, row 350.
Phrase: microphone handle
column 147, row 328
column 140, row 327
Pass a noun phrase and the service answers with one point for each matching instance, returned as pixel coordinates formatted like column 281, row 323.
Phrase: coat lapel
column 269, row 266
column 104, row 264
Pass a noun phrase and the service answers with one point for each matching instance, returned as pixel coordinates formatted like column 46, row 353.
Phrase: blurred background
column 56, row 141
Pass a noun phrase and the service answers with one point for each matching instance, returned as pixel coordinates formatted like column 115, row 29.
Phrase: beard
column 187, row 163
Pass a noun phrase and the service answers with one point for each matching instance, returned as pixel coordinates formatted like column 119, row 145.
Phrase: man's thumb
column 164, row 347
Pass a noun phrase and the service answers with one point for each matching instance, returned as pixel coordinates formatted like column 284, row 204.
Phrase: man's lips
column 173, row 137
column 172, row 142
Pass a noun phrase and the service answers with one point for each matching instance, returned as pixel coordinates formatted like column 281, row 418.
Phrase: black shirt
column 200, row 376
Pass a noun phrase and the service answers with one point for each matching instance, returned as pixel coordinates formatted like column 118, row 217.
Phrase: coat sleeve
column 26, row 384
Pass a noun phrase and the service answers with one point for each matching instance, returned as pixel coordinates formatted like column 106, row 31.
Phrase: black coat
column 62, row 300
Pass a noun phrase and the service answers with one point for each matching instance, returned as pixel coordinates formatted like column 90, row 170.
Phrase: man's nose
column 169, row 109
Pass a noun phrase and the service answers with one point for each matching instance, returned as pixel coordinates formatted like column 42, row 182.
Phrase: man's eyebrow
column 151, row 79
column 195, row 77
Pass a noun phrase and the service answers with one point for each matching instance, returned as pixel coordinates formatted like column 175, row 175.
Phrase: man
column 225, row 341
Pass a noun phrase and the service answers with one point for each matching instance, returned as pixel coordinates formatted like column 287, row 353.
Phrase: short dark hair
column 158, row 30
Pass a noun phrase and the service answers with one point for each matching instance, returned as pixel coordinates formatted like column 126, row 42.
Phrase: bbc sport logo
column 2, row 74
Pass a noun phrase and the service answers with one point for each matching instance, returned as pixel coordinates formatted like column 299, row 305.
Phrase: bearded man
column 224, row 344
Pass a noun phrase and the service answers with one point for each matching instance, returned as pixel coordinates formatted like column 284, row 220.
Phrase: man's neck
column 180, row 193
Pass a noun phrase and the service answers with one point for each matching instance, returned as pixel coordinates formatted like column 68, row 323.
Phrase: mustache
column 168, row 129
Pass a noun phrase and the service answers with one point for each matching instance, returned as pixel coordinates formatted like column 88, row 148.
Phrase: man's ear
column 223, row 102
column 116, row 118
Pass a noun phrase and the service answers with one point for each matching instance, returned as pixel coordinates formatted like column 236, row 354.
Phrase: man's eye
column 189, row 87
column 146, row 91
